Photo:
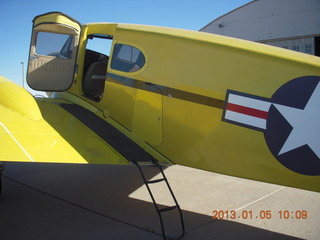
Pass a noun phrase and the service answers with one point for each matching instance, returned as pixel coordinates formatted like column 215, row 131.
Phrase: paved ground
column 61, row 201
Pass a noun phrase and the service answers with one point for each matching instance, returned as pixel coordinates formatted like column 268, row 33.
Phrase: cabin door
column 53, row 52
column 147, row 117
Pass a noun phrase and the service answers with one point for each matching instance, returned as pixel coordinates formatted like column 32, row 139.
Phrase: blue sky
column 16, row 20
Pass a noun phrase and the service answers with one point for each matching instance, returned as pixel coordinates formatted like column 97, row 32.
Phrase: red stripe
column 248, row 111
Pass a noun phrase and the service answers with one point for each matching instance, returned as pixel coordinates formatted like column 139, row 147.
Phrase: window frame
column 115, row 54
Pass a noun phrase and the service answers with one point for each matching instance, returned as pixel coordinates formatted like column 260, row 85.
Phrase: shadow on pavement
column 65, row 201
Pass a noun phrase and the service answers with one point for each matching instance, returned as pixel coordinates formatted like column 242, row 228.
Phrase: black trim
column 102, row 36
column 117, row 140
column 166, row 91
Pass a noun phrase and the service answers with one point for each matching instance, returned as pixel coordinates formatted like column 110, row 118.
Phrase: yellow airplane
column 179, row 97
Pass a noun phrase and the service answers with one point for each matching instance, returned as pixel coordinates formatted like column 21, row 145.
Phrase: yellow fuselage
column 174, row 106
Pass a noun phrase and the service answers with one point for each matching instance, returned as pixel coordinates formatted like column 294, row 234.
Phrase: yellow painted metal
column 52, row 136
column 147, row 116
column 96, row 28
column 180, row 64
column 18, row 99
column 208, row 65
column 221, row 147
column 56, row 17
column 120, row 101
column 71, row 98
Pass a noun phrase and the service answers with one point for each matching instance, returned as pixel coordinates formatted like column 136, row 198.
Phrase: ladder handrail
column 159, row 211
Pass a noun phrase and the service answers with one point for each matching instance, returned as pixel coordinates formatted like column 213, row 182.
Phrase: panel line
column 16, row 141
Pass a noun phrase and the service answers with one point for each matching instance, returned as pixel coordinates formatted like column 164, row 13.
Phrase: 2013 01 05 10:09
column 262, row 214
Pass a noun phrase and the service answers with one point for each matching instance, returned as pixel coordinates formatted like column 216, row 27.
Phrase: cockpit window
column 127, row 58
column 54, row 44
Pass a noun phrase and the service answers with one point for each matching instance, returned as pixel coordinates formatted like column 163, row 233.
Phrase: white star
column 305, row 124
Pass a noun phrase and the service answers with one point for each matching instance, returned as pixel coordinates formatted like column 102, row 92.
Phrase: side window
column 54, row 44
column 127, row 58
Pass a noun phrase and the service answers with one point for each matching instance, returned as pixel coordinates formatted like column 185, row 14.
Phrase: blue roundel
column 293, row 125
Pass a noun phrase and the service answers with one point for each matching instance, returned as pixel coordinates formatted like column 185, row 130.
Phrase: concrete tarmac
column 65, row 201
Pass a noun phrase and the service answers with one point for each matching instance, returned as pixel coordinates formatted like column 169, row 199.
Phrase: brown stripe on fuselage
column 166, row 91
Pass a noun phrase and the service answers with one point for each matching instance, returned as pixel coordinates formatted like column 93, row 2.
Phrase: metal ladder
column 158, row 209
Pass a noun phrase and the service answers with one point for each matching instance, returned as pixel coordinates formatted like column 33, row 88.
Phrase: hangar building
column 291, row 24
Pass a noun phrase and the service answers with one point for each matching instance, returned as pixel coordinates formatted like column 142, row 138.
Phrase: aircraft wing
column 57, row 131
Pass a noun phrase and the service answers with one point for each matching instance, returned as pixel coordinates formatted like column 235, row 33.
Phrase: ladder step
column 168, row 209
column 159, row 211
column 155, row 181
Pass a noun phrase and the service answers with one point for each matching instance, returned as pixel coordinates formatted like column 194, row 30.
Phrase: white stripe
column 255, row 201
column 22, row 148
column 259, row 199
column 249, row 102
column 246, row 119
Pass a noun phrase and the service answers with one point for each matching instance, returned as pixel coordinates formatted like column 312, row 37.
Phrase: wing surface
column 58, row 132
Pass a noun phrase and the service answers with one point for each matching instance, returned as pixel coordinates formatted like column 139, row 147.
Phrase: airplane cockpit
column 95, row 66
